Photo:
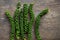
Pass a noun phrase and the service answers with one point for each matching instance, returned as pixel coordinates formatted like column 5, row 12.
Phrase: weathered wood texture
column 50, row 23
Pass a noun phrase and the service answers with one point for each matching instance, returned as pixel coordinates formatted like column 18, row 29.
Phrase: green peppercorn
column 30, row 11
column 18, row 5
column 16, row 21
column 37, row 23
column 11, row 20
column 25, row 17
column 21, row 25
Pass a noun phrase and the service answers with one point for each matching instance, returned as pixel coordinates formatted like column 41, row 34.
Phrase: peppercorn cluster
column 22, row 22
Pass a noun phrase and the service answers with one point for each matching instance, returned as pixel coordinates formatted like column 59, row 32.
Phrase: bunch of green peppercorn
column 22, row 25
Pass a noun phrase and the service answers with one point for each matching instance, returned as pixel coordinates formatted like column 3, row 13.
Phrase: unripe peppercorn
column 30, row 11
column 11, row 20
column 16, row 21
column 37, row 22
column 21, row 25
column 25, row 17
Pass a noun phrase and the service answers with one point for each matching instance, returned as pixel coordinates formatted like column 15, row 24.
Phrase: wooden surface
column 50, row 23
